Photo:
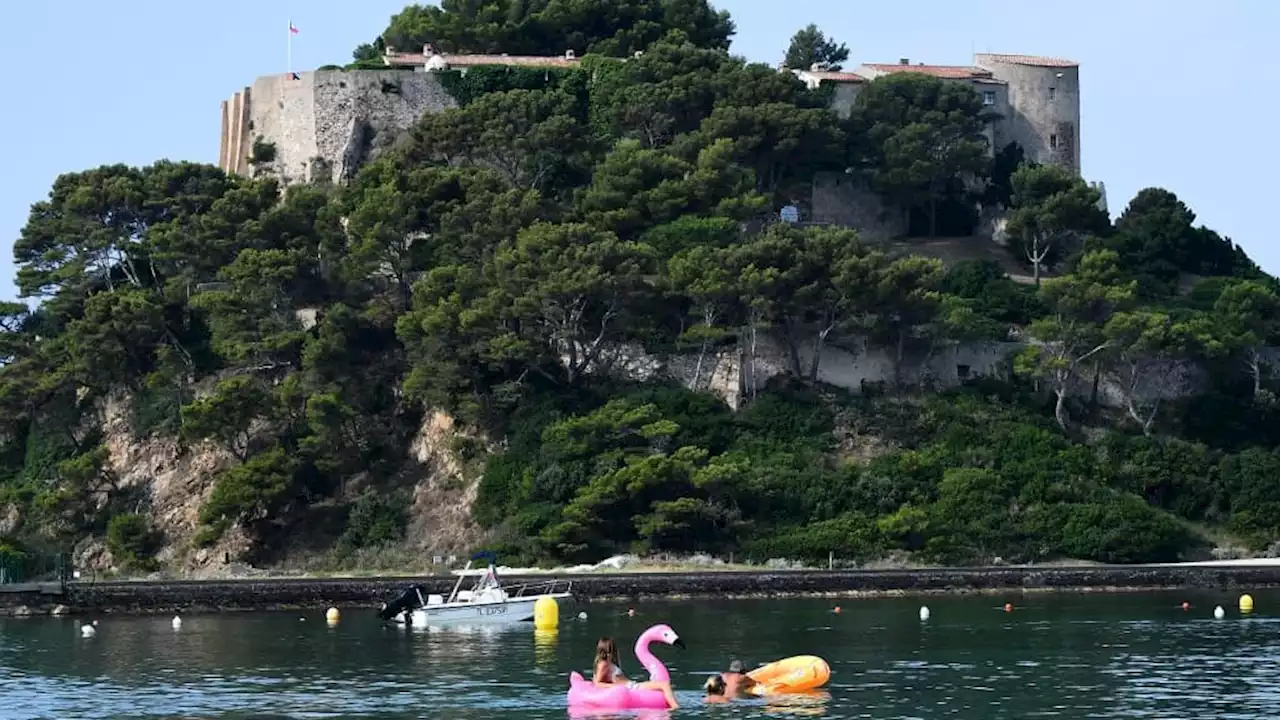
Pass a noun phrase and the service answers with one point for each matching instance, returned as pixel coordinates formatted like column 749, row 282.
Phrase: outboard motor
column 406, row 600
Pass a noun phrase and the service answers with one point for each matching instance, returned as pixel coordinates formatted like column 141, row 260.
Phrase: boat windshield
column 487, row 581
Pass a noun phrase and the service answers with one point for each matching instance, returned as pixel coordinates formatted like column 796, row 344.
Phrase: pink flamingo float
column 584, row 694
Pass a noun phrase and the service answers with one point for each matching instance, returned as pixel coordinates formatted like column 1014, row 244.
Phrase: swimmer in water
column 714, row 688
column 736, row 682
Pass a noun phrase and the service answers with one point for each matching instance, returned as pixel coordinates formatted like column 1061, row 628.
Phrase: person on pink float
column 607, row 672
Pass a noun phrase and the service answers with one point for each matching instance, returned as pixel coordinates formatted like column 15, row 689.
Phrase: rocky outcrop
column 445, row 487
column 173, row 484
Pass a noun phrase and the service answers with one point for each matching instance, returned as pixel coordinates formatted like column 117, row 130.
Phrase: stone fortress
column 323, row 124
column 1036, row 100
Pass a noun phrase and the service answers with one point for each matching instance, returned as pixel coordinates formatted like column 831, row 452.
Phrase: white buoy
column 177, row 622
column 924, row 612
column 331, row 616
column 1219, row 613
column 582, row 616
column 87, row 630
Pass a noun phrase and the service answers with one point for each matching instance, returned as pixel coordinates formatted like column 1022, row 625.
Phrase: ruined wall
column 324, row 124
column 854, row 365
column 839, row 200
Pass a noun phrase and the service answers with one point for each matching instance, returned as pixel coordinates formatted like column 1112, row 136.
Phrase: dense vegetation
column 495, row 261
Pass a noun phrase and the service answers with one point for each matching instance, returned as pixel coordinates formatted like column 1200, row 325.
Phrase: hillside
column 550, row 323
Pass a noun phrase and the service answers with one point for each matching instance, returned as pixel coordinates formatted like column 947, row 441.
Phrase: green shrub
column 1249, row 479
column 249, row 491
column 131, row 539
column 1125, row 530
column 262, row 152
column 691, row 231
column 375, row 519
column 849, row 537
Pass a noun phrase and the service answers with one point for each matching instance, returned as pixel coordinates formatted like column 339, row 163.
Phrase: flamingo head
column 664, row 634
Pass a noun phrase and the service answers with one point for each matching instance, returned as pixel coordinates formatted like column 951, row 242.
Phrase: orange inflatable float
column 795, row 674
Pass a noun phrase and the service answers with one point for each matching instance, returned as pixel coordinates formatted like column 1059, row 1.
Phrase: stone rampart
column 856, row 365
column 324, row 124
column 317, row 594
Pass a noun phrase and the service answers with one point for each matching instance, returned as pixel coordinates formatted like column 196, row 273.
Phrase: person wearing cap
column 736, row 681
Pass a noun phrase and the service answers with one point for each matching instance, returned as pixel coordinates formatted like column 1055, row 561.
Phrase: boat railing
column 543, row 587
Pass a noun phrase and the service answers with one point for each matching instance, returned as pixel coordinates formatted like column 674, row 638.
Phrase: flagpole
column 289, row 49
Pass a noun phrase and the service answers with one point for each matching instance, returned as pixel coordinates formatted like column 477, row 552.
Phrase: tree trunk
column 1060, row 407
column 818, row 344
column 1097, row 376
column 793, row 347
column 697, row 369
column 1144, row 422
column 897, row 363
column 1255, row 369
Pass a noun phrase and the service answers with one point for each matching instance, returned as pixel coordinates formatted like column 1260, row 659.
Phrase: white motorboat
column 486, row 602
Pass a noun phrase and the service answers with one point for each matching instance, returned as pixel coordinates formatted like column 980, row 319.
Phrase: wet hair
column 607, row 650
column 714, row 685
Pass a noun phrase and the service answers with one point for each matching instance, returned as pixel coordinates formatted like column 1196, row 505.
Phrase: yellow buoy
column 546, row 613
column 331, row 615
column 1246, row 603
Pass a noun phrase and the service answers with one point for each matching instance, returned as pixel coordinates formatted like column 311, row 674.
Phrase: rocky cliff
column 173, row 481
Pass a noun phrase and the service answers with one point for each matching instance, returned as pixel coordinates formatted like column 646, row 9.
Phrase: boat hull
column 514, row 610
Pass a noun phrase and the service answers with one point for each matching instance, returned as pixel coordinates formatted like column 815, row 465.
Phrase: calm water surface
column 1054, row 656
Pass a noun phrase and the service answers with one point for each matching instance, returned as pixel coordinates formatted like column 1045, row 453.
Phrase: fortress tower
column 323, row 125
column 1043, row 96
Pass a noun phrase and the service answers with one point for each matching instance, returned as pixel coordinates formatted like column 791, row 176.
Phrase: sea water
column 1132, row 655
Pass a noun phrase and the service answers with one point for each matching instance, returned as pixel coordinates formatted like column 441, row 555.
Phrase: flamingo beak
column 679, row 643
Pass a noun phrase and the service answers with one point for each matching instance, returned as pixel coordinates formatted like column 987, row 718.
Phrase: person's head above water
column 714, row 685
column 607, row 650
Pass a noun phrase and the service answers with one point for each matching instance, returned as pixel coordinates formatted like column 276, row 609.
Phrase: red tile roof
column 1031, row 60
column 415, row 59
column 947, row 72
column 831, row 76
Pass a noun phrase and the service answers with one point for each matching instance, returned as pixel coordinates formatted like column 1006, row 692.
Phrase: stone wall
column 855, row 365
column 326, row 123
column 357, row 113
column 318, row 594
column 839, row 200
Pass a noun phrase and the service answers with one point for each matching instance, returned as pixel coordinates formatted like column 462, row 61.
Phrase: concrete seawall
column 291, row 593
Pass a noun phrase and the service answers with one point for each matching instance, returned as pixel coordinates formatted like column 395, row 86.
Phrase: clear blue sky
column 1175, row 93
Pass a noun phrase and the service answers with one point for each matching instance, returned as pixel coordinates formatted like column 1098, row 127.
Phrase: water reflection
column 576, row 714
column 808, row 704
column 544, row 647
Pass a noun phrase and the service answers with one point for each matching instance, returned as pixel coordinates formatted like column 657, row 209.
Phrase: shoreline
column 202, row 596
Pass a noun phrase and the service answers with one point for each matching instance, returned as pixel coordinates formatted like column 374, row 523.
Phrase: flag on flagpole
column 293, row 30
